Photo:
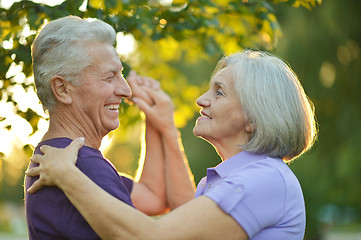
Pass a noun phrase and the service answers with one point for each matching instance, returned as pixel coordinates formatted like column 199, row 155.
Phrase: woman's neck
column 227, row 151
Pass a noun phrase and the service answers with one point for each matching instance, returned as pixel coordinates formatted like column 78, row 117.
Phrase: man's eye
column 109, row 79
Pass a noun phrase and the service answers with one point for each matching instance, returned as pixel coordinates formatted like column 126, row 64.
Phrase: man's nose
column 122, row 88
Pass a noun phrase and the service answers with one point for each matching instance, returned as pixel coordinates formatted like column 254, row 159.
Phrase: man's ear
column 61, row 89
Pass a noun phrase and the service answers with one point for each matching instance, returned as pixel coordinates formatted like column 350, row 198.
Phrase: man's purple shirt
column 49, row 213
column 261, row 193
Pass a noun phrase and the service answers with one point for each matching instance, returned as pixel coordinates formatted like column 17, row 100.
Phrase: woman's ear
column 250, row 127
column 61, row 89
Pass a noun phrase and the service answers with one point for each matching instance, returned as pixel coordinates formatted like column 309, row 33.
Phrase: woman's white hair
column 60, row 49
column 274, row 101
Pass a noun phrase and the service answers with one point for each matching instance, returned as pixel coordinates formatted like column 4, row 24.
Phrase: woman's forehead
column 223, row 77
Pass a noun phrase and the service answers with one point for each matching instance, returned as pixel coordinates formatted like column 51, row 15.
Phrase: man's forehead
column 110, row 66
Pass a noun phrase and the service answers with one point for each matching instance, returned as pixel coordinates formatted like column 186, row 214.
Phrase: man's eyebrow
column 107, row 72
column 115, row 70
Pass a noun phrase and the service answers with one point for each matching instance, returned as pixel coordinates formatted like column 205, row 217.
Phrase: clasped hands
column 153, row 101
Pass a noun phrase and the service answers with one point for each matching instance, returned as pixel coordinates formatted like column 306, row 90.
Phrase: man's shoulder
column 90, row 159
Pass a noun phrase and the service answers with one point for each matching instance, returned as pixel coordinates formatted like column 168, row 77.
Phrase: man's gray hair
column 59, row 49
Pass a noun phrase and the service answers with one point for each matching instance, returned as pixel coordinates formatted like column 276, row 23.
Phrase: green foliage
column 327, row 58
column 166, row 34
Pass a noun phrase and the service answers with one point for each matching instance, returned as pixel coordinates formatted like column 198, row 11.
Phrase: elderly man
column 78, row 76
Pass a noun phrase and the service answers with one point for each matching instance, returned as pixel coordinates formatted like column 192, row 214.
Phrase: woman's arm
column 148, row 194
column 110, row 218
column 180, row 185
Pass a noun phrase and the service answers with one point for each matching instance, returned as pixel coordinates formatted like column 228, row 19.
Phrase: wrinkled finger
column 139, row 80
column 139, row 92
column 36, row 158
column 146, row 81
column 33, row 172
column 157, row 95
column 135, row 84
column 135, row 78
column 131, row 78
column 76, row 144
column 152, row 83
column 71, row 151
column 45, row 148
column 143, row 105
column 132, row 73
column 36, row 186
column 151, row 93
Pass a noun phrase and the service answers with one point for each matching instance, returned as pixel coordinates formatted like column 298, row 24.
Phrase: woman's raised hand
column 154, row 102
column 160, row 112
column 139, row 83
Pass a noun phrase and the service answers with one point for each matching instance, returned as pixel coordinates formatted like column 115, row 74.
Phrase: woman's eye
column 219, row 93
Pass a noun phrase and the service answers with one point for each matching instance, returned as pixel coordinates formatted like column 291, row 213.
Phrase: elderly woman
column 79, row 80
column 258, row 118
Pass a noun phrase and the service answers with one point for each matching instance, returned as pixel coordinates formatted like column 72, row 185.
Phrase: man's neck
column 63, row 125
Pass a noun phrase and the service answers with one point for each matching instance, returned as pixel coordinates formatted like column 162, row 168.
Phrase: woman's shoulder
column 266, row 171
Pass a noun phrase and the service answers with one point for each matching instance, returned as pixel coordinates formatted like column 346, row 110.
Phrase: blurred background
column 179, row 42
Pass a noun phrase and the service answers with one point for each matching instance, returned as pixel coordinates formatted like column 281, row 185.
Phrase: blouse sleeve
column 254, row 197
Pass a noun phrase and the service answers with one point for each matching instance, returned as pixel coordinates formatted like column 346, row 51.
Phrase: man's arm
column 180, row 185
column 148, row 193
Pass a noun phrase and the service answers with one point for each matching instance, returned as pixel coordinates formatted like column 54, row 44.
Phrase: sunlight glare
column 106, row 142
column 166, row 2
column 5, row 140
column 8, row 3
column 327, row 74
column 14, row 69
column 43, row 126
column 344, row 55
column 126, row 44
column 19, row 132
column 8, row 44
column 51, row 3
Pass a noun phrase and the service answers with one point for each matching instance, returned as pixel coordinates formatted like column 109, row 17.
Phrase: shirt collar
column 239, row 160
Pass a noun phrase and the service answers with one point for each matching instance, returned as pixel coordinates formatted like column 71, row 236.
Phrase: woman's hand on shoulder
column 53, row 165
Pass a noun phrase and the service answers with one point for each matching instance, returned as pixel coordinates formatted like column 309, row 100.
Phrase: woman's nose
column 203, row 100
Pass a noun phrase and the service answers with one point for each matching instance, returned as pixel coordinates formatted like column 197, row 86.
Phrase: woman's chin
column 199, row 134
column 196, row 132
